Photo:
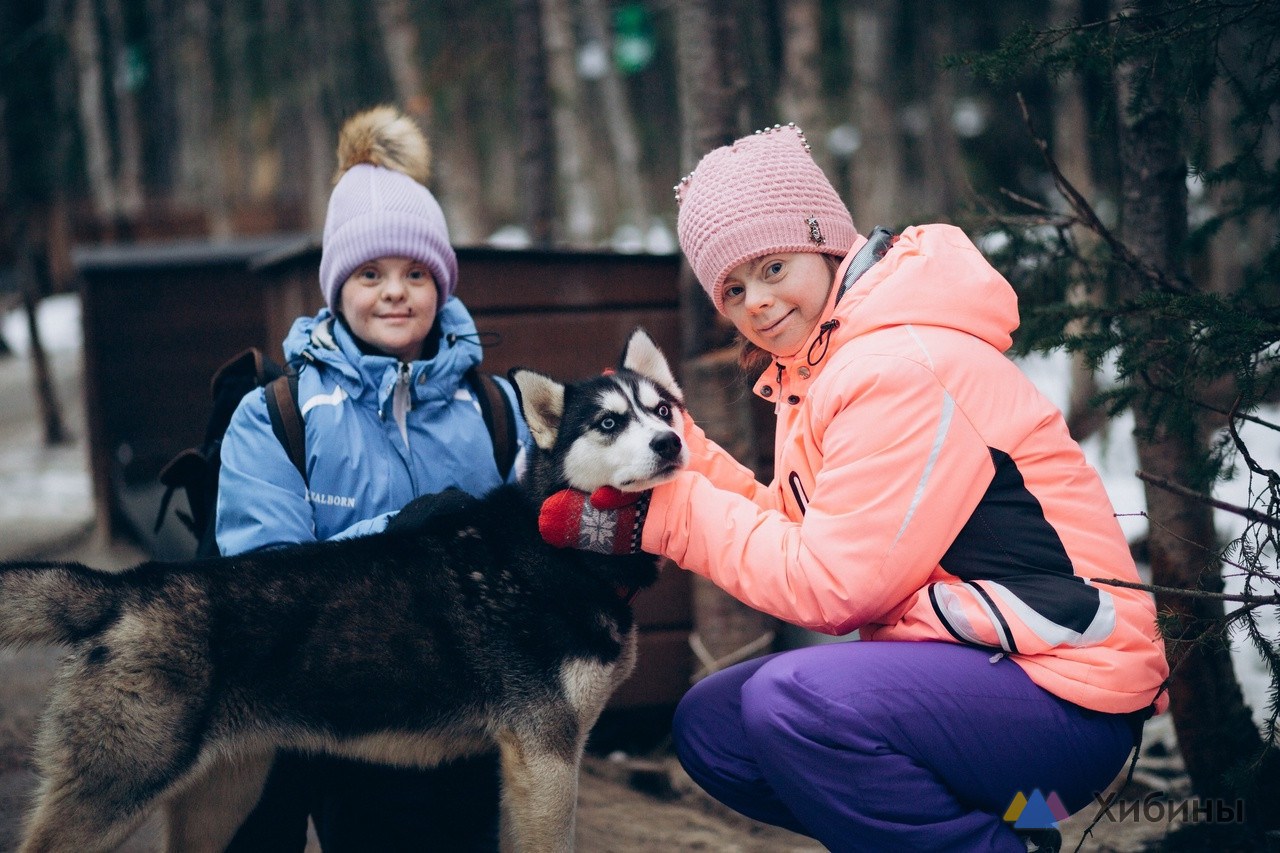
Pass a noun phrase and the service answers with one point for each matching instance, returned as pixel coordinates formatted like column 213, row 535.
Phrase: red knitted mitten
column 608, row 521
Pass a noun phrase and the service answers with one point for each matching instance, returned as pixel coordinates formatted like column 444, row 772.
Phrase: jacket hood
column 932, row 275
column 322, row 341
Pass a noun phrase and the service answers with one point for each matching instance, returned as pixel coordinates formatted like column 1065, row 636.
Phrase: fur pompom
column 383, row 136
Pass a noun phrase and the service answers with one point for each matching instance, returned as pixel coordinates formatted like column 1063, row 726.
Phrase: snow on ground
column 59, row 321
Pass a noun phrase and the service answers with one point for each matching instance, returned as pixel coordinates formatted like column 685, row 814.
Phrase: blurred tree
column 800, row 87
column 712, row 99
column 876, row 173
column 122, row 71
column 457, row 173
column 574, row 152
column 35, row 122
column 537, row 163
column 624, row 140
column 86, row 53
column 1071, row 148
column 202, row 183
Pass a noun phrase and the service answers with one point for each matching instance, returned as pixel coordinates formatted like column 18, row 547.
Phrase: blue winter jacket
column 360, row 468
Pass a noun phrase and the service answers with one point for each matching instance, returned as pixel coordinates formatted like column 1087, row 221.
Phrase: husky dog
column 457, row 634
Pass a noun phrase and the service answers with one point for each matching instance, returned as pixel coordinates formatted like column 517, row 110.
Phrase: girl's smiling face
column 775, row 300
column 390, row 303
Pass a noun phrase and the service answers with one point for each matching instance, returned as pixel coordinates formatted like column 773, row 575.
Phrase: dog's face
column 623, row 429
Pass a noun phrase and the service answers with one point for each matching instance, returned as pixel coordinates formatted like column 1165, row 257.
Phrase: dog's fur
column 459, row 635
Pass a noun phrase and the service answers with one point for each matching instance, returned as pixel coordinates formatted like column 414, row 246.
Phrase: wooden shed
column 159, row 319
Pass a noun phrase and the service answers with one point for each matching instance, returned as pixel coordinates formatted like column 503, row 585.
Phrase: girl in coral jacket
column 926, row 495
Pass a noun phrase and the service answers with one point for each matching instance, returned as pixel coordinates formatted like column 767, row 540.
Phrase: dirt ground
column 627, row 803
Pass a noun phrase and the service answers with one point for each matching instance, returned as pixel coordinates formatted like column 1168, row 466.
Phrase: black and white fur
column 460, row 635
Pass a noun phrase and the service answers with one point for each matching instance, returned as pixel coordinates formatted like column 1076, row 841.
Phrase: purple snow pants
column 892, row 746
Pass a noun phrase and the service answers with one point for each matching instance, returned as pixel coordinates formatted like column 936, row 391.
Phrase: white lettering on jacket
column 331, row 500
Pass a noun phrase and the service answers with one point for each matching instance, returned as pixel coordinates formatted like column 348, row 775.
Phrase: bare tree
column 711, row 99
column 619, row 122
column 17, row 224
column 86, row 53
column 1071, row 148
column 125, row 106
column 800, row 87
column 456, row 169
column 876, row 171
column 201, row 177
column 537, row 146
column 941, row 163
column 573, row 150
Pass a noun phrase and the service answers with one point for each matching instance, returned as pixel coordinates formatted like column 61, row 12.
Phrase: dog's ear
column 542, row 401
column 642, row 355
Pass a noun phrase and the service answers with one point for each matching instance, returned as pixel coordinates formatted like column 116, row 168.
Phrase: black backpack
column 195, row 470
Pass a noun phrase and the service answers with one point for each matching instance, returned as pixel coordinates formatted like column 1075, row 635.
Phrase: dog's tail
column 55, row 602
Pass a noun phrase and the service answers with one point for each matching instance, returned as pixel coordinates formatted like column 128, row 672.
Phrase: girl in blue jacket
column 389, row 416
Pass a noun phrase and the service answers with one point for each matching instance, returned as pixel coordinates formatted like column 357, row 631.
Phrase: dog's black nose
column 667, row 446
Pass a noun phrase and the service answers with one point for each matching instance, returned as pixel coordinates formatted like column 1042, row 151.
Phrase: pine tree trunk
column 537, row 151
column 942, row 163
column 455, row 169
column 1216, row 734
column 581, row 219
column 1071, row 150
column 633, row 203
column 128, row 131
column 876, row 188
column 54, row 429
column 319, row 139
column 800, row 87
column 201, row 180
column 86, row 53
column 711, row 97
column 710, row 92
column 235, row 26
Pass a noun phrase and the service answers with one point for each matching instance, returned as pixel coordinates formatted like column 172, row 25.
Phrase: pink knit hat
column 762, row 194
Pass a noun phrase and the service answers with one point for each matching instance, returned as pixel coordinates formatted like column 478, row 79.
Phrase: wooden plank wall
column 159, row 320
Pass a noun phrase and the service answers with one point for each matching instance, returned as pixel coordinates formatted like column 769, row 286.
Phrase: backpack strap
column 499, row 418
column 286, row 418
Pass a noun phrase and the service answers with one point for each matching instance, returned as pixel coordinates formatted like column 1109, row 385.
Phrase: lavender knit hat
column 380, row 206
column 760, row 195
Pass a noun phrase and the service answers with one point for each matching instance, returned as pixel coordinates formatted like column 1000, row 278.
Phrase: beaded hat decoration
column 762, row 194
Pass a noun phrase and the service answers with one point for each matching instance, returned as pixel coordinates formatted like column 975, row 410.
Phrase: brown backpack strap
column 286, row 419
column 499, row 419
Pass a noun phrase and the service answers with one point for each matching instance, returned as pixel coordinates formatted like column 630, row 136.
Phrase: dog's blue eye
column 664, row 412
column 608, row 424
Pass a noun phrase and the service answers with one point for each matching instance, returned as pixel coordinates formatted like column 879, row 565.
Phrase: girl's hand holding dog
column 607, row 521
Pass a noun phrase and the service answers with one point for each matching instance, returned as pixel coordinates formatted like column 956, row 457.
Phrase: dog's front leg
column 206, row 813
column 539, row 794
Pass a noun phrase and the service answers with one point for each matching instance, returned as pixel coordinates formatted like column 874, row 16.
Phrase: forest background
column 1119, row 162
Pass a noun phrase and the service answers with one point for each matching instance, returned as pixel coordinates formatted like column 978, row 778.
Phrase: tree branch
column 1085, row 212
column 1182, row 491
column 1254, row 601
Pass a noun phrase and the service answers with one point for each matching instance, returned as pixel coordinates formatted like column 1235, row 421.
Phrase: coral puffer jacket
column 925, row 490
